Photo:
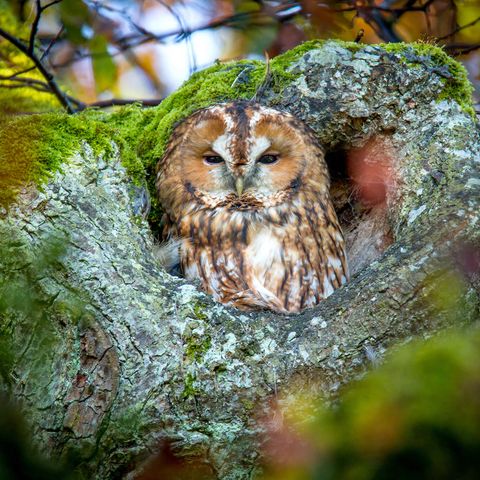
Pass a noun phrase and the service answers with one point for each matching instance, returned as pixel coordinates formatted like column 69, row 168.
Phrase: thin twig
column 266, row 79
column 359, row 35
column 53, row 41
column 21, row 72
column 460, row 28
column 34, row 29
column 457, row 49
column 54, row 88
column 122, row 101
column 379, row 8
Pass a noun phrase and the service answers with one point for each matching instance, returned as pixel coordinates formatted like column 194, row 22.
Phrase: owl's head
column 242, row 156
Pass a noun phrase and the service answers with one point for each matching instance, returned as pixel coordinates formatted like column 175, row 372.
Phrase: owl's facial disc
column 245, row 151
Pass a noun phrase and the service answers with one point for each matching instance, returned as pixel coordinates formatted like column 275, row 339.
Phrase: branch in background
column 457, row 49
column 381, row 17
column 281, row 13
column 459, row 29
column 52, row 84
column 53, row 41
column 121, row 101
column 409, row 7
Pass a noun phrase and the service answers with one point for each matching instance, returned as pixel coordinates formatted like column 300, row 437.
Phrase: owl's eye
column 213, row 159
column 268, row 159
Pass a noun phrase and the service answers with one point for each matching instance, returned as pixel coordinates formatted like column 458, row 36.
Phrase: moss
column 33, row 148
column 189, row 389
column 199, row 310
column 197, row 347
column 456, row 84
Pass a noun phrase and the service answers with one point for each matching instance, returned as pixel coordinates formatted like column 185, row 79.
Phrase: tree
column 124, row 357
column 77, row 51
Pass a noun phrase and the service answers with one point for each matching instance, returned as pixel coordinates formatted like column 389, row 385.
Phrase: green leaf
column 74, row 15
column 104, row 68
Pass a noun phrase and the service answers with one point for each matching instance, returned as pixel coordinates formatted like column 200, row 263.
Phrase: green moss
column 34, row 147
column 197, row 347
column 456, row 87
column 189, row 390
column 199, row 310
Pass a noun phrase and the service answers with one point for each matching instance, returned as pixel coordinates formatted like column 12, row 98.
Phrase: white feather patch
column 258, row 146
column 220, row 145
column 327, row 287
column 264, row 250
column 335, row 263
column 168, row 253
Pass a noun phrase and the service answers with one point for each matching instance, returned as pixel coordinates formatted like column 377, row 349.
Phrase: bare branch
column 409, row 7
column 34, row 29
column 122, row 101
column 457, row 49
column 282, row 13
column 21, row 72
column 26, row 80
column 53, row 41
column 460, row 28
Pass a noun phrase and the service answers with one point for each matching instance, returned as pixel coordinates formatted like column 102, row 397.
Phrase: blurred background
column 144, row 49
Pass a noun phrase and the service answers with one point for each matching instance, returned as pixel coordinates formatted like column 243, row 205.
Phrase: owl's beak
column 239, row 186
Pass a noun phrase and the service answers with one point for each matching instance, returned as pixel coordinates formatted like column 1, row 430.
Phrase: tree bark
column 150, row 358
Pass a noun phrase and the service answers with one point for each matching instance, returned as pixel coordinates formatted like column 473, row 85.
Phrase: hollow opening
column 359, row 191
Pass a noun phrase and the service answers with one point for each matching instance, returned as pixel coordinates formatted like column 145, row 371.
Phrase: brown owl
column 245, row 190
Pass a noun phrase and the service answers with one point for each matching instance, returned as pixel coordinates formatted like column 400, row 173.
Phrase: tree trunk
column 147, row 358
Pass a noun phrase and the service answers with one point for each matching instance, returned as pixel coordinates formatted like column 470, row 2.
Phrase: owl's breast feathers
column 286, row 258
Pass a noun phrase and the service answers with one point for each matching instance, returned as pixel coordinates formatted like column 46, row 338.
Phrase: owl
column 245, row 191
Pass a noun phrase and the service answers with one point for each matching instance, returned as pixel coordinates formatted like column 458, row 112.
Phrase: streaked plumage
column 245, row 190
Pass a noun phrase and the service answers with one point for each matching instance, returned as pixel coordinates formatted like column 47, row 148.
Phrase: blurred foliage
column 417, row 416
column 101, row 49
column 19, row 459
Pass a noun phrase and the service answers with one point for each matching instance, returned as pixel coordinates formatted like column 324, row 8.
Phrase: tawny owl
column 245, row 190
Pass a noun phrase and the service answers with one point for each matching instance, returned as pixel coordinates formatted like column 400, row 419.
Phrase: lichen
column 457, row 87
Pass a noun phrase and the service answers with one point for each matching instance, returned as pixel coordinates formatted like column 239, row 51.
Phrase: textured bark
column 155, row 359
